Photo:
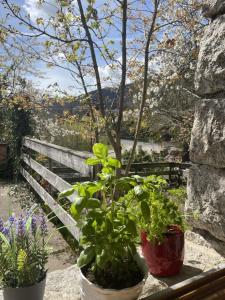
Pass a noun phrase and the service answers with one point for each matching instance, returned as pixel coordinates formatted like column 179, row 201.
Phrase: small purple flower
column 43, row 225
column 12, row 220
column 1, row 225
column 34, row 225
column 28, row 214
column 6, row 231
column 20, row 230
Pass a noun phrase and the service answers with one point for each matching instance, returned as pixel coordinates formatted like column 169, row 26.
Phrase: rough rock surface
column 199, row 257
column 210, row 72
column 213, row 8
column 63, row 285
column 206, row 190
column 208, row 134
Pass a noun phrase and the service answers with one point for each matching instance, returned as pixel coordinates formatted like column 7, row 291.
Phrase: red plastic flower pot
column 164, row 258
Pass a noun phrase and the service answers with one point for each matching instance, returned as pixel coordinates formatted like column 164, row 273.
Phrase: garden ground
column 63, row 278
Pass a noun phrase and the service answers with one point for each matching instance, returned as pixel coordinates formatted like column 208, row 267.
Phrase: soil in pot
column 34, row 292
column 123, row 275
column 164, row 258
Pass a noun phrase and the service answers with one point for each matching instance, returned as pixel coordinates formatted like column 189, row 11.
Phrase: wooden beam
column 70, row 158
column 207, row 291
column 56, row 181
column 189, row 285
column 158, row 165
column 63, row 216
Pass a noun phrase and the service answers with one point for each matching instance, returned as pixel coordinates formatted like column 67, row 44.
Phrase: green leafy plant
column 155, row 212
column 108, row 226
column 23, row 251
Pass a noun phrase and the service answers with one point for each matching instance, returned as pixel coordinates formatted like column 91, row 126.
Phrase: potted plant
column 162, row 226
column 110, row 266
column 23, row 256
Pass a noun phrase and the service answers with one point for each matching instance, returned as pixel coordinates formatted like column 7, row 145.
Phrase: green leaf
column 88, row 229
column 145, row 211
column 138, row 190
column 102, row 259
column 138, row 178
column 113, row 162
column 80, row 203
column 28, row 223
column 125, row 183
column 108, row 227
column 66, row 193
column 92, row 161
column 86, row 256
column 77, row 207
column 4, row 239
column 76, row 46
column 94, row 187
column 100, row 151
column 64, row 3
column 72, row 57
column 74, row 212
column 40, row 21
column 107, row 170
column 131, row 227
column 93, row 203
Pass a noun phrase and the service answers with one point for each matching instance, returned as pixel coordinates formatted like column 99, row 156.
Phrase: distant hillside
column 110, row 98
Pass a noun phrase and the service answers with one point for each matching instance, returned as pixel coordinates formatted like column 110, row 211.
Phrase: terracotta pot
column 92, row 291
column 34, row 292
column 164, row 258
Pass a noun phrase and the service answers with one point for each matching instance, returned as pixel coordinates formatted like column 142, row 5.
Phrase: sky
column 54, row 74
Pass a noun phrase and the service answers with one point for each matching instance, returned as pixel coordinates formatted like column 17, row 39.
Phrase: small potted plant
column 23, row 257
column 110, row 266
column 162, row 226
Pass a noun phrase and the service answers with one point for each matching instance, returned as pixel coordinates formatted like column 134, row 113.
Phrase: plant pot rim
column 29, row 286
column 172, row 230
column 106, row 291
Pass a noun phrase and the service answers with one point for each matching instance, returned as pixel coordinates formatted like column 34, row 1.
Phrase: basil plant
column 108, row 227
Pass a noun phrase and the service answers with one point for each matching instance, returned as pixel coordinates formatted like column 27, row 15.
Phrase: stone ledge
column 199, row 257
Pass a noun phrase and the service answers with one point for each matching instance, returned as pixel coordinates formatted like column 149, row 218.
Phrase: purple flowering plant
column 23, row 250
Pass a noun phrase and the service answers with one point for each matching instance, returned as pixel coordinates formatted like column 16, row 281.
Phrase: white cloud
column 36, row 10
column 111, row 74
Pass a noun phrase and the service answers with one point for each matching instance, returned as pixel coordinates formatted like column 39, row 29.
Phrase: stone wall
column 206, row 181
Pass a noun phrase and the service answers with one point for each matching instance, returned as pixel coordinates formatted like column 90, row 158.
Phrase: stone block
column 213, row 8
column 210, row 71
column 206, row 195
column 208, row 134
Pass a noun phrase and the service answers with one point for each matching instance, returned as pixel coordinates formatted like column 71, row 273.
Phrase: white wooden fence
column 67, row 157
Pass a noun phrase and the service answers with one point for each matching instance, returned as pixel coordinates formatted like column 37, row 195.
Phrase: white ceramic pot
column 34, row 292
column 92, row 291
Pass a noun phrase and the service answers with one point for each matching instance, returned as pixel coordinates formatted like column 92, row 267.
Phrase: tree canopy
column 152, row 45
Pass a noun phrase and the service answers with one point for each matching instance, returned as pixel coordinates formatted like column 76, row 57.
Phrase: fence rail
column 72, row 159
column 67, row 157
column 173, row 171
